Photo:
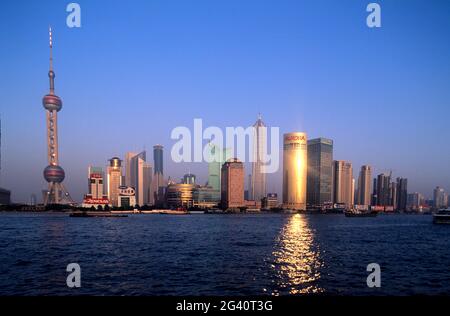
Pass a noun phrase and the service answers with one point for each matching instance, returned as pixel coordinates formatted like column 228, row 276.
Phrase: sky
column 135, row 70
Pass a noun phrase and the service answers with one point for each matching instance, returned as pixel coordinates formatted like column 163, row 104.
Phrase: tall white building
column 140, row 177
column 258, row 186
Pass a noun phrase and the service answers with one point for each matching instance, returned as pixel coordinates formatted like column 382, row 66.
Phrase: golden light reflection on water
column 297, row 261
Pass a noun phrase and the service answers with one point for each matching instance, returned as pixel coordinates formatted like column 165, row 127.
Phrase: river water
column 260, row 254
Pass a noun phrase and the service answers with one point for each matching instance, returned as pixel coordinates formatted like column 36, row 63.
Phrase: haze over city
column 382, row 95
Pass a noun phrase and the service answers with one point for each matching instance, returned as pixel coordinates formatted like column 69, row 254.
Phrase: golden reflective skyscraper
column 294, row 170
column 114, row 180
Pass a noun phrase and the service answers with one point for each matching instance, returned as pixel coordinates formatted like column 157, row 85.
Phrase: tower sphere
column 54, row 174
column 52, row 102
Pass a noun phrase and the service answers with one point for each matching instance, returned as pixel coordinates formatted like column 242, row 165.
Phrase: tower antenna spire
column 51, row 73
column 51, row 46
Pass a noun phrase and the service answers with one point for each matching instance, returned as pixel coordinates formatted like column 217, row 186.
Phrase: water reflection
column 296, row 259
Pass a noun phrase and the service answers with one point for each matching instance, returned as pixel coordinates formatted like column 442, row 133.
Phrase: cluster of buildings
column 330, row 183
column 322, row 183
column 312, row 179
column 135, row 183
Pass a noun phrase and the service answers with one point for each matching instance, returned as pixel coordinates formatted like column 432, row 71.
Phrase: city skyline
column 24, row 153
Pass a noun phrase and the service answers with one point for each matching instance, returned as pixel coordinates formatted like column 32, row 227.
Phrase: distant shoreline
column 172, row 212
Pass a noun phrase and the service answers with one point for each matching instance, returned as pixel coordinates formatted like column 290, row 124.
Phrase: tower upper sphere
column 52, row 102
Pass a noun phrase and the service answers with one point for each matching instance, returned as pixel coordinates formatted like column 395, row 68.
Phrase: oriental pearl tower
column 53, row 173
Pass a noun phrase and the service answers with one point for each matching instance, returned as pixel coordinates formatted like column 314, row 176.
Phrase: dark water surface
column 223, row 254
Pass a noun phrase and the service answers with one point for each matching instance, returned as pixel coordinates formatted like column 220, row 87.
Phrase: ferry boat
column 196, row 212
column 95, row 214
column 442, row 216
column 166, row 212
column 360, row 213
column 337, row 208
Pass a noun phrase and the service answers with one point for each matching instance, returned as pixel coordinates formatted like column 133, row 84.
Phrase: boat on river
column 95, row 214
column 360, row 213
column 442, row 216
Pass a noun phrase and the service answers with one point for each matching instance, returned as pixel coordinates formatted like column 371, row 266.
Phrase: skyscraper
column 393, row 195
column 217, row 158
column 295, row 162
column 258, row 184
column 353, row 191
column 384, row 190
column 343, row 183
column 439, row 197
column 214, row 166
column 249, row 188
column 374, row 197
column 402, row 194
column 158, row 158
column 53, row 173
column 128, row 157
column 232, row 184
column 149, row 197
column 141, row 178
column 364, row 185
column 414, row 201
column 96, row 196
column 95, row 182
column 159, row 185
column 320, row 165
column 114, row 180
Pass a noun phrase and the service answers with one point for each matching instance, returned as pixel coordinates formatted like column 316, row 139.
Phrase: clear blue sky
column 137, row 69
